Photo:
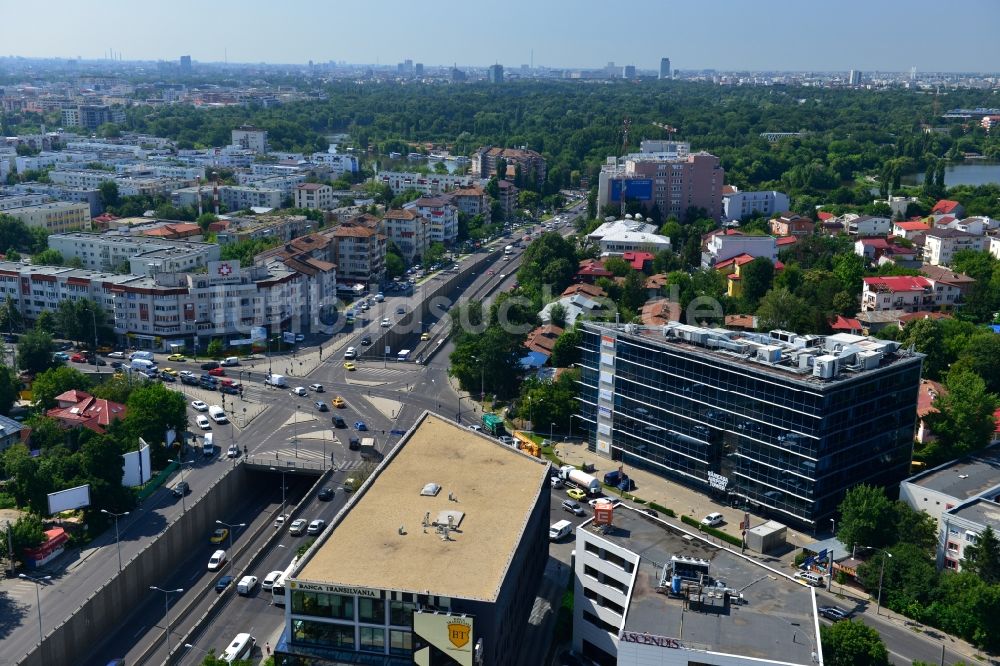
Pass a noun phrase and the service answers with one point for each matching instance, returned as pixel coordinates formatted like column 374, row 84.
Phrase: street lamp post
column 881, row 573
column 93, row 317
column 118, row 542
column 295, row 436
column 38, row 599
column 829, row 582
column 166, row 610
column 230, row 528
column 283, row 471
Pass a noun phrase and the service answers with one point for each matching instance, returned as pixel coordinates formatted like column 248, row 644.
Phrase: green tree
column 853, row 644
column 566, row 352
column 926, row 337
column 116, row 388
column 10, row 316
column 48, row 257
column 557, row 315
column 81, row 320
column 10, row 387
column 56, row 381
column 964, row 419
column 849, row 269
column 781, row 309
column 982, row 356
column 34, row 352
column 983, row 557
column 26, row 532
column 215, row 348
column 394, row 265
column 915, row 527
column 46, row 433
column 756, row 277
column 908, row 581
column 152, row 410
column 108, row 191
column 549, row 404
column 866, row 518
column 435, row 253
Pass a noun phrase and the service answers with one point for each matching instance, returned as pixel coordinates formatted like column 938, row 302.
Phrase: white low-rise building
column 941, row 244
column 104, row 252
column 646, row 594
column 54, row 217
column 723, row 246
column 628, row 235
column 738, row 205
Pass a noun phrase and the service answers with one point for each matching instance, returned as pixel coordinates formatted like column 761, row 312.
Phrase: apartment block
column 671, row 181
column 250, row 138
column 442, row 216
column 738, row 205
column 532, row 164
column 54, row 217
column 314, row 196
column 778, row 422
column 790, row 224
column 359, row 253
column 425, row 184
column 409, row 231
column 145, row 256
column 244, row 197
column 722, row 246
column 941, row 244
column 909, row 294
column 472, row 201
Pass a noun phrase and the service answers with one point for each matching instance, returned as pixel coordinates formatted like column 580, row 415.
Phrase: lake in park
column 965, row 173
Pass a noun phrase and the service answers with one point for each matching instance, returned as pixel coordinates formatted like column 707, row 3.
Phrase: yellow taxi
column 425, row 336
column 169, row 371
column 576, row 493
column 219, row 535
column 176, row 358
column 349, row 366
column 338, row 402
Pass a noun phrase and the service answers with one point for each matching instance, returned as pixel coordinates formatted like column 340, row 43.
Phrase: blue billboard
column 640, row 189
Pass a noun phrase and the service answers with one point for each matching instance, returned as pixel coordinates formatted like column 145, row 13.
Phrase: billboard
column 257, row 334
column 636, row 189
column 444, row 633
column 69, row 499
column 288, row 338
column 138, row 469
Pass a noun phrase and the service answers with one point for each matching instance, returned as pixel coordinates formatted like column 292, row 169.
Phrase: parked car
column 118, row 354
column 834, row 613
column 316, row 526
column 270, row 579
column 713, row 519
column 61, row 356
column 78, row 358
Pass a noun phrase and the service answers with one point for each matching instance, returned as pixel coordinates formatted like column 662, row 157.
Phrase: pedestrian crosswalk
column 287, row 454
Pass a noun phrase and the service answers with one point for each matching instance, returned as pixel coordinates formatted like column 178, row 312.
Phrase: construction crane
column 669, row 129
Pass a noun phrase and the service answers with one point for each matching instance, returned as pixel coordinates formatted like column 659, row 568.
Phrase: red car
column 78, row 358
column 217, row 372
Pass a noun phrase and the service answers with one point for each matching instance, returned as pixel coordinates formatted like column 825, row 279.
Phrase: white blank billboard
column 69, row 499
column 137, row 467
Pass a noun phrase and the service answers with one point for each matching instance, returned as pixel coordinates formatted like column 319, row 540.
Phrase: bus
column 278, row 591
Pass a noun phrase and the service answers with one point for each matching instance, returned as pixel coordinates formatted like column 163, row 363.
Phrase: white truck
column 368, row 449
column 276, row 380
column 581, row 480
column 208, row 446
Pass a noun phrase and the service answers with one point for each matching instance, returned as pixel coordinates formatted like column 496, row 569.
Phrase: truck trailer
column 581, row 480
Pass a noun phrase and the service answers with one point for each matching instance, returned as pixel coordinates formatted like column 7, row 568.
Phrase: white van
column 277, row 380
column 144, row 355
column 239, row 648
column 810, row 578
column 560, row 529
column 230, row 361
column 143, row 365
column 217, row 414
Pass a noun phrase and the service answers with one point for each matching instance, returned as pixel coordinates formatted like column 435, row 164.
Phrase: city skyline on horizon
column 524, row 33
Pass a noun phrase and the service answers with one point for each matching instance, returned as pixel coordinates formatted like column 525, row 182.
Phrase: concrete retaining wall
column 103, row 611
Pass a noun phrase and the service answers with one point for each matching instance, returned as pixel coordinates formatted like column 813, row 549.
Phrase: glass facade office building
column 781, row 423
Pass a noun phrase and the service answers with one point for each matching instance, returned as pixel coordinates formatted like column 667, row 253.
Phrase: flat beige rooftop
column 495, row 486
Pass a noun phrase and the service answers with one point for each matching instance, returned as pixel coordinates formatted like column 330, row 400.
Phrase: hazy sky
column 960, row 35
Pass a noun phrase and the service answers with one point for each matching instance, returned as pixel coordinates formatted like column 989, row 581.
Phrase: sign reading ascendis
column 650, row 639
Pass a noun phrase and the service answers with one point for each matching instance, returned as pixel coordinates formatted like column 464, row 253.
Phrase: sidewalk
column 680, row 499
